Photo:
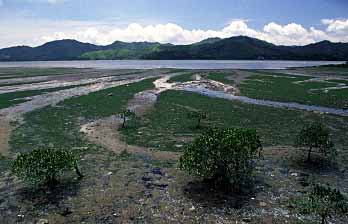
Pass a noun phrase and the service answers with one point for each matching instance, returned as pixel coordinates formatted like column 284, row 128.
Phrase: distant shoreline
column 174, row 64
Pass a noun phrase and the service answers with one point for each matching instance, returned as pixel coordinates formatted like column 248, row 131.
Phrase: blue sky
column 288, row 22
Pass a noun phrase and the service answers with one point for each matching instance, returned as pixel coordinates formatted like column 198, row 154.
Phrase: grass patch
column 167, row 126
column 19, row 83
column 330, row 69
column 58, row 126
column 182, row 78
column 285, row 89
column 220, row 77
column 34, row 72
column 339, row 81
column 14, row 98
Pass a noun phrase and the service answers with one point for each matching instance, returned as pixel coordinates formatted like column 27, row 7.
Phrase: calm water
column 182, row 64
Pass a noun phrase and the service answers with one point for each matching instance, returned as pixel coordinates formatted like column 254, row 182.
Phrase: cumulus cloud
column 339, row 26
column 289, row 34
column 37, row 32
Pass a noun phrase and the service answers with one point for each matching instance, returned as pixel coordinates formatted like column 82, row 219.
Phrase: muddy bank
column 220, row 90
column 105, row 132
column 53, row 98
column 244, row 99
column 5, row 132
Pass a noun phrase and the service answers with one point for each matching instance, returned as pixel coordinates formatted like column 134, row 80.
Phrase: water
column 244, row 99
column 179, row 64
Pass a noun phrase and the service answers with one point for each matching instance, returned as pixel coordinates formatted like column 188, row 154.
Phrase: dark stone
column 160, row 184
column 247, row 219
column 65, row 212
column 146, row 179
column 157, row 171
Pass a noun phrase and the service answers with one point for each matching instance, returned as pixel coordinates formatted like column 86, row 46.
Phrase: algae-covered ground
column 132, row 175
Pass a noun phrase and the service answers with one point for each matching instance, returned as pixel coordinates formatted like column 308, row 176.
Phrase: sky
column 282, row 22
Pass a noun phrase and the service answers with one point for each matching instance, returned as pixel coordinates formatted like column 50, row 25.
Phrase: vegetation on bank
column 58, row 126
column 289, row 88
column 14, row 98
column 223, row 157
column 9, row 73
column 221, row 77
column 315, row 138
column 186, row 77
column 226, row 155
column 167, row 126
column 44, row 166
column 324, row 202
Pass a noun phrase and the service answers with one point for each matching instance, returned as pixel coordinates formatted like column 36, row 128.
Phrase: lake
column 179, row 64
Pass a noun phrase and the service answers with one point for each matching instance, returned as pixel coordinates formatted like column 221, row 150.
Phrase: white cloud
column 290, row 34
column 55, row 1
column 106, row 33
column 337, row 26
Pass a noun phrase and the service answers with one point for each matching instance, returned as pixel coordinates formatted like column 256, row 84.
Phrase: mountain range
column 234, row 48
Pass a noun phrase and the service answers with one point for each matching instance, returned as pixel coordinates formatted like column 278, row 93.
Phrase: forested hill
column 234, row 48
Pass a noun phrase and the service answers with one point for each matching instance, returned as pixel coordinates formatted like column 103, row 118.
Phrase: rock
column 263, row 204
column 65, row 212
column 146, row 179
column 192, row 208
column 160, row 184
column 157, row 171
column 110, row 94
column 42, row 221
column 294, row 174
column 246, row 220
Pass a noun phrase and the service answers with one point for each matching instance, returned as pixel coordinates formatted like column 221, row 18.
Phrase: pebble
column 42, row 221
column 145, row 178
column 157, row 171
column 263, row 204
column 160, row 184
column 246, row 220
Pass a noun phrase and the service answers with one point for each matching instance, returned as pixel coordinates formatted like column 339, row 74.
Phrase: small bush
column 224, row 156
column 44, row 165
column 198, row 116
column 324, row 202
column 124, row 115
column 315, row 138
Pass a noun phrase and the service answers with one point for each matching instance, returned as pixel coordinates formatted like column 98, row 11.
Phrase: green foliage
column 41, row 127
column 123, row 51
column 186, row 77
column 291, row 88
column 220, row 77
column 166, row 125
column 13, row 98
column 126, row 114
column 197, row 115
column 224, row 156
column 44, row 165
column 315, row 137
column 323, row 201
